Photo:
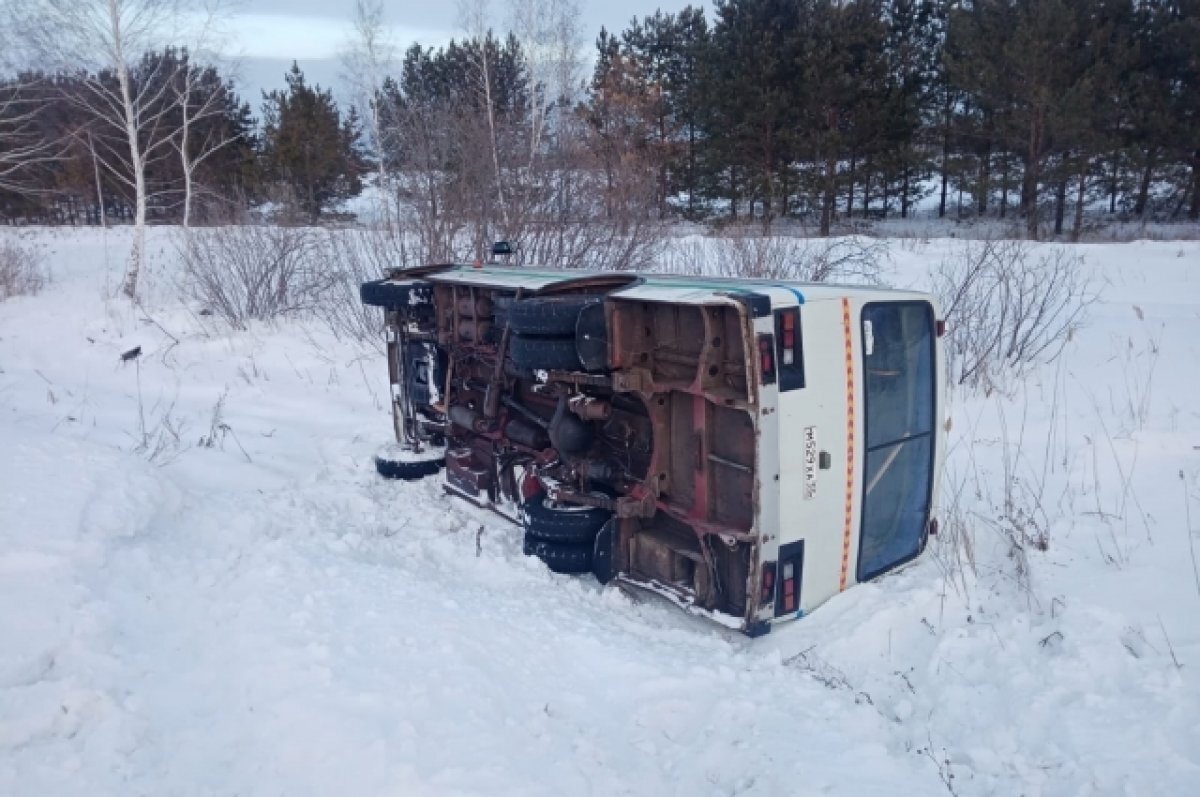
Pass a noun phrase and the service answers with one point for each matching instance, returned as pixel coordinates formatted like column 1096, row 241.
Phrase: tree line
column 815, row 111
column 205, row 156
column 863, row 109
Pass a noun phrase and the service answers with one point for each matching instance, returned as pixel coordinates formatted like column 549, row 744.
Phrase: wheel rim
column 556, row 506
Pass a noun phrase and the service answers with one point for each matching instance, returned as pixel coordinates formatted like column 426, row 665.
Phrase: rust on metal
column 668, row 429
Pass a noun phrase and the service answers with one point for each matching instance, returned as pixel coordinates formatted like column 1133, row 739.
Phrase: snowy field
column 206, row 590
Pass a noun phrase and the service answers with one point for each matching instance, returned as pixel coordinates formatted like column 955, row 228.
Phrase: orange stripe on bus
column 848, row 522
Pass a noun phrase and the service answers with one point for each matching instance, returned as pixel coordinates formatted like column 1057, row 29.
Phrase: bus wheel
column 547, row 521
column 560, row 557
column 550, row 354
column 396, row 462
column 548, row 316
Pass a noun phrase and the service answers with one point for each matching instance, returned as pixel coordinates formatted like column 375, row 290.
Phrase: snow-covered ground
column 205, row 589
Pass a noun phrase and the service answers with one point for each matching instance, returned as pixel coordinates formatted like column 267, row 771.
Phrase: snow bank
column 204, row 589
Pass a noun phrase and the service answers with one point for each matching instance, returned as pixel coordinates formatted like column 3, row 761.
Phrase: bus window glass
column 899, row 397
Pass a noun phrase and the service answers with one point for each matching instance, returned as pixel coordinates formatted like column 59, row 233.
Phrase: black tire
column 560, row 557
column 409, row 470
column 549, row 316
column 390, row 295
column 500, row 307
column 603, row 554
column 551, row 354
column 511, row 369
column 568, row 524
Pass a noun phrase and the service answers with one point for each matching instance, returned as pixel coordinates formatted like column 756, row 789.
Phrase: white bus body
column 747, row 449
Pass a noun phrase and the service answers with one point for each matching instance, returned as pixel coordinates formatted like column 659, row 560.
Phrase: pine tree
column 308, row 148
column 1183, row 40
column 1162, row 94
column 757, row 99
column 685, row 95
column 910, row 51
column 624, row 122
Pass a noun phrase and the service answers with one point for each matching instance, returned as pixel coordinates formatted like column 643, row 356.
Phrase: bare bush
column 601, row 245
column 995, row 510
column 1008, row 308
column 159, row 440
column 953, row 549
column 20, row 270
column 749, row 254
column 245, row 273
column 355, row 257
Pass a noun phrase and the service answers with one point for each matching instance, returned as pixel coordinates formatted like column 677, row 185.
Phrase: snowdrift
column 205, row 589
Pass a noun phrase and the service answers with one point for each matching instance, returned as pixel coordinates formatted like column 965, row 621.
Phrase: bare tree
column 196, row 107
column 501, row 149
column 556, row 173
column 367, row 59
column 548, row 31
column 91, row 145
column 198, row 102
column 473, row 16
column 105, row 37
column 22, row 147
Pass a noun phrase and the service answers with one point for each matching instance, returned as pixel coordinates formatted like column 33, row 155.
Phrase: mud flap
column 602, row 552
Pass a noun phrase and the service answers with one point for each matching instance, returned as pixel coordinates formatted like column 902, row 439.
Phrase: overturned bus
column 744, row 448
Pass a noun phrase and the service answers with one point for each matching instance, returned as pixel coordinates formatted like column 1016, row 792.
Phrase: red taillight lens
column 766, row 355
column 790, row 568
column 768, row 583
column 933, row 527
column 789, row 587
column 941, row 327
column 787, row 330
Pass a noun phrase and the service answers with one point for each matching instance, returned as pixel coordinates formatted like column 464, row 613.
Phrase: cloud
column 278, row 36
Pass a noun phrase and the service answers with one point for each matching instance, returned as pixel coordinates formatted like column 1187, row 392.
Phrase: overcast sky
column 267, row 35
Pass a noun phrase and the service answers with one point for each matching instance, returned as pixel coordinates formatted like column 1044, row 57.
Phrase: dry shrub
column 749, row 254
column 20, row 270
column 248, row 273
column 996, row 509
column 355, row 257
column 599, row 245
column 1008, row 308
column 256, row 273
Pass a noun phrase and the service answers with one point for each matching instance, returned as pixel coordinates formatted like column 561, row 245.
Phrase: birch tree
column 368, row 58
column 548, row 31
column 105, row 38
column 23, row 148
column 473, row 17
column 200, row 101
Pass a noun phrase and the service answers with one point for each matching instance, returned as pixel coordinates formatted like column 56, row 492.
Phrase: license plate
column 810, row 462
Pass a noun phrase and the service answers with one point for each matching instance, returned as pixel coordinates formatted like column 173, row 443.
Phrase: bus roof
column 635, row 285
